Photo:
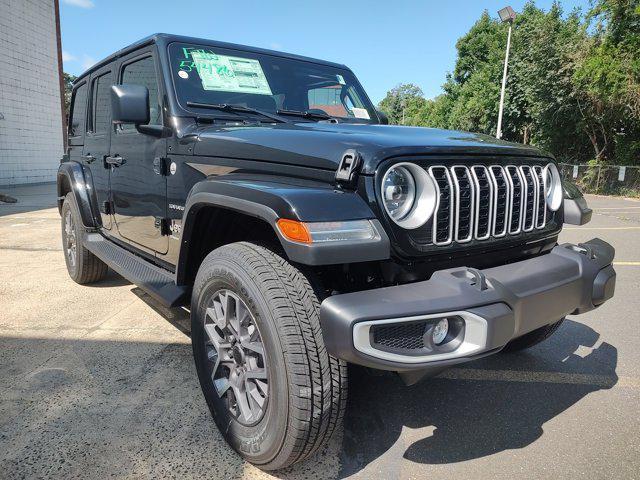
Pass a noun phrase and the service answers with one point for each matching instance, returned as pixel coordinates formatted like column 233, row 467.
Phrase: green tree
column 399, row 100
column 573, row 86
column 68, row 80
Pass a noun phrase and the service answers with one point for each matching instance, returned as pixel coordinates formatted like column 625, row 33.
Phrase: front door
column 97, row 139
column 138, row 189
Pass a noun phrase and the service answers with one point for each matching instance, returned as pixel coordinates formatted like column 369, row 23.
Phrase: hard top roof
column 164, row 39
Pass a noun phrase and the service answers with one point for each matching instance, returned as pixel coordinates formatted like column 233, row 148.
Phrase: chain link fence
column 604, row 179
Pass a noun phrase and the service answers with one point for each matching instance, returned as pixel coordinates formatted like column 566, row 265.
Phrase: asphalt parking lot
column 98, row 381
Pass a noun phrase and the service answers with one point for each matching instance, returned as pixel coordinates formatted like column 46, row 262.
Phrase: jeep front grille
column 480, row 202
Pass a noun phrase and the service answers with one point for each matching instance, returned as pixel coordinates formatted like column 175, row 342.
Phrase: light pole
column 507, row 15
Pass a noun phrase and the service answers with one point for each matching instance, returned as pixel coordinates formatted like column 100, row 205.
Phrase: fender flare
column 71, row 177
column 269, row 200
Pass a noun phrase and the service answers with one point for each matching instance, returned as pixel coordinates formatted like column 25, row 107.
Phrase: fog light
column 440, row 331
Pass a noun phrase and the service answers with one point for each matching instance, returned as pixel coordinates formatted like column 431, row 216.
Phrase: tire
column 532, row 338
column 307, row 388
column 83, row 266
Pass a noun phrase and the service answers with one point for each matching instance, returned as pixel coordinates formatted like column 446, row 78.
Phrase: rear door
column 139, row 188
column 97, row 139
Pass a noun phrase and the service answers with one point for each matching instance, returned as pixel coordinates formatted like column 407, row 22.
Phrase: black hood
column 321, row 145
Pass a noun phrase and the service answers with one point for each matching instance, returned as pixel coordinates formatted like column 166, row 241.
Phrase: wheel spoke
column 243, row 404
column 254, row 346
column 216, row 340
column 215, row 314
column 254, row 394
column 260, row 373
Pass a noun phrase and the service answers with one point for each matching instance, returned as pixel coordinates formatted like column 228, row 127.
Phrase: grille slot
column 480, row 202
column 483, row 203
column 501, row 200
column 517, row 205
column 443, row 216
column 530, row 195
column 541, row 213
column 464, row 204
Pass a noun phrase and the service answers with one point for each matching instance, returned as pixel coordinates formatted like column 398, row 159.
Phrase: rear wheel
column 532, row 338
column 82, row 265
column 272, row 388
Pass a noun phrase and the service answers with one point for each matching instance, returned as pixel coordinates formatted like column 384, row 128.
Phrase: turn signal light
column 294, row 230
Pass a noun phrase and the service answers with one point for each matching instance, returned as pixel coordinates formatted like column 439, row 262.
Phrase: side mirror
column 384, row 120
column 576, row 210
column 130, row 104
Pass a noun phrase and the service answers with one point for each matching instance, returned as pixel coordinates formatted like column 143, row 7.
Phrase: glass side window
column 143, row 72
column 329, row 100
column 101, row 104
column 78, row 111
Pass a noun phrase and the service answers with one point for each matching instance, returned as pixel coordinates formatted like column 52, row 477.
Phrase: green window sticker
column 230, row 74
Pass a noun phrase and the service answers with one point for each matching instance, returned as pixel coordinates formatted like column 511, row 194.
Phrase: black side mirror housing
column 130, row 104
column 384, row 120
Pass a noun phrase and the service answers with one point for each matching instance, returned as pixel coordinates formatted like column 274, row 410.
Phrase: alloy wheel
column 237, row 358
column 70, row 243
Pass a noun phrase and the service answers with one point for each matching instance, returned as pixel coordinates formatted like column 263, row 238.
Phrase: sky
column 384, row 43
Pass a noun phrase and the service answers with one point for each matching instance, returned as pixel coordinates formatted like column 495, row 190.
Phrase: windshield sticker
column 230, row 74
column 361, row 113
column 340, row 79
column 183, row 74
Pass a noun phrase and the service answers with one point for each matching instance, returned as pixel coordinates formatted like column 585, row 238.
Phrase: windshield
column 219, row 76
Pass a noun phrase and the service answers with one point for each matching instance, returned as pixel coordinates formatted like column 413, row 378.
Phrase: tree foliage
column 573, row 86
column 68, row 80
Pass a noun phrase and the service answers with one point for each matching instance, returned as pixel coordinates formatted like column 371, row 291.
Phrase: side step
column 156, row 281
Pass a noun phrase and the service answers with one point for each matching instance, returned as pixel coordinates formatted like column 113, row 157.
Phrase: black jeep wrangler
column 263, row 192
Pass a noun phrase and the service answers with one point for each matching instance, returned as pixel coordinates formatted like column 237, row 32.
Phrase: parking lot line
column 627, row 264
column 601, row 228
column 604, row 381
column 616, row 208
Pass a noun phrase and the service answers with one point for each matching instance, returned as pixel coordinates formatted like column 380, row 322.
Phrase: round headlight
column 552, row 187
column 408, row 195
column 398, row 192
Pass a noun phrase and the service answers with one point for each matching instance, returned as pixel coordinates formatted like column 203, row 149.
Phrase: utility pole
column 507, row 15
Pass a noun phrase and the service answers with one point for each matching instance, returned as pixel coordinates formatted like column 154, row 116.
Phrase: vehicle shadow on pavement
column 495, row 404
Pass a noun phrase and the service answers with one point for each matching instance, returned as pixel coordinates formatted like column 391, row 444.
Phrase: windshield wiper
column 225, row 107
column 305, row 114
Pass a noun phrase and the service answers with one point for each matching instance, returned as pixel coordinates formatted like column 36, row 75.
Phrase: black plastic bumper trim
column 518, row 298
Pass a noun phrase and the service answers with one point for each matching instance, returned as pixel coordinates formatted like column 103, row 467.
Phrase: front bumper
column 494, row 305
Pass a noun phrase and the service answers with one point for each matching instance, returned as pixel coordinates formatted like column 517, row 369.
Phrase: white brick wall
column 31, row 130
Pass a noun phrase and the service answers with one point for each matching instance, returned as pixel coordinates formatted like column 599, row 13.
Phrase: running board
column 156, row 281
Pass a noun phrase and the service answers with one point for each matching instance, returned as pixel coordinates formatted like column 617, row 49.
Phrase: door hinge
column 347, row 172
column 107, row 207
column 161, row 165
column 164, row 225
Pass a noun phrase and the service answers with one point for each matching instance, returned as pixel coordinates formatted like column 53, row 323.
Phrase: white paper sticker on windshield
column 230, row 74
column 340, row 79
column 361, row 113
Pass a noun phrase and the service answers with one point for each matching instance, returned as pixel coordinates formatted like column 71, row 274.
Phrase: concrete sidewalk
column 99, row 381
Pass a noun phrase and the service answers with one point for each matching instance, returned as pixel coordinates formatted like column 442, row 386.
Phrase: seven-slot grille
column 479, row 202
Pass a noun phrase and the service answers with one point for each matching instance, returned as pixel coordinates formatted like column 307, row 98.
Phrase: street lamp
column 507, row 15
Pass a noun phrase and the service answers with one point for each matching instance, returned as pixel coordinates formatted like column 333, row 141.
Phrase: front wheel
column 272, row 388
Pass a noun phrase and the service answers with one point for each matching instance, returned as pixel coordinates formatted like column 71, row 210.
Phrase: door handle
column 88, row 158
column 115, row 160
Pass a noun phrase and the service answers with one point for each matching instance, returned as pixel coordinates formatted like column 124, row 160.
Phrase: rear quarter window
column 78, row 116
